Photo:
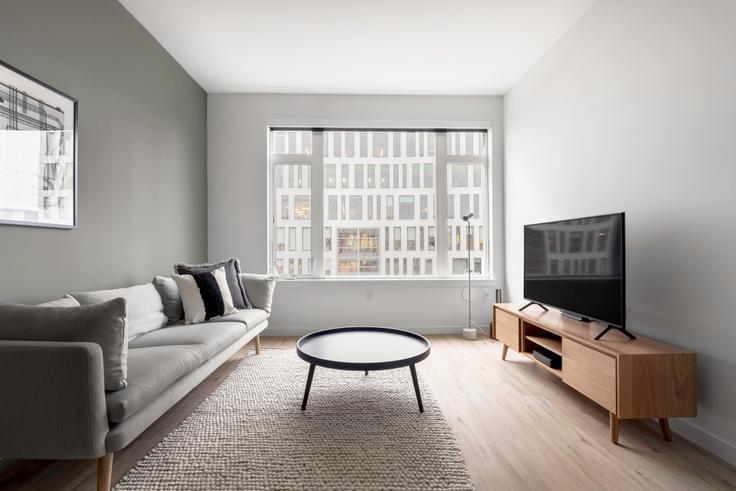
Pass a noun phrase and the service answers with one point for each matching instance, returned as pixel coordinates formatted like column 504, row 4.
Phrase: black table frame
column 364, row 367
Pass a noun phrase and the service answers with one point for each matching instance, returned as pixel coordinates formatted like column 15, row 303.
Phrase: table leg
column 416, row 387
column 309, row 385
column 366, row 372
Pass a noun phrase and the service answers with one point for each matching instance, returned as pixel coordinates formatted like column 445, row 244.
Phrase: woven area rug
column 358, row 432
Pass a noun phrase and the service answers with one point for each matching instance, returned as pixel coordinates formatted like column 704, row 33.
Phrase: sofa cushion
column 215, row 336
column 145, row 309
column 65, row 301
column 170, row 297
column 150, row 372
column 251, row 317
column 103, row 324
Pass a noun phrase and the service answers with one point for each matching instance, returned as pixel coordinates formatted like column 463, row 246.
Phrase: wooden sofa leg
column 104, row 472
column 258, row 345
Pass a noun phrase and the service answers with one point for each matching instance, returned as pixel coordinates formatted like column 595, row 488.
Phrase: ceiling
column 454, row 47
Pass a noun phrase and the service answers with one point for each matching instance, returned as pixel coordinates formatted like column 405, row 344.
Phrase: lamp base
column 470, row 333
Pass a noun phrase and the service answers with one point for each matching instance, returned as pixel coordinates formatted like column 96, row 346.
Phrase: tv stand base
column 534, row 303
column 609, row 328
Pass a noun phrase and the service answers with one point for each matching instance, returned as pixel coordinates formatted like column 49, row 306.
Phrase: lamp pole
column 466, row 219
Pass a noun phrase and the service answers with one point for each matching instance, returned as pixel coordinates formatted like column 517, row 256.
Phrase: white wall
column 238, row 219
column 634, row 110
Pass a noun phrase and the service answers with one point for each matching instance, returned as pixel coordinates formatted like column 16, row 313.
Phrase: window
column 306, row 239
column 301, row 207
column 350, row 144
column 416, row 172
column 458, row 175
column 332, row 207
column 423, row 207
column 356, row 207
column 280, row 238
column 385, row 176
column 359, row 175
column 389, row 207
column 381, row 209
column 411, row 238
column 371, row 175
column 380, row 144
column 428, row 175
column 344, row 176
column 285, row 207
column 406, row 207
column 330, row 175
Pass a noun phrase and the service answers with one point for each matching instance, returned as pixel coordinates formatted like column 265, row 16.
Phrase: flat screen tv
column 578, row 266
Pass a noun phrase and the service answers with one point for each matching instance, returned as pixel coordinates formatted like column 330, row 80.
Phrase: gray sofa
column 54, row 401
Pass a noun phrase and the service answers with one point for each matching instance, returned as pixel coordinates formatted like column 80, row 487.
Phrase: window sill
column 396, row 282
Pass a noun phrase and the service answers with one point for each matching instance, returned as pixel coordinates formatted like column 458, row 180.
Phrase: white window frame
column 491, row 209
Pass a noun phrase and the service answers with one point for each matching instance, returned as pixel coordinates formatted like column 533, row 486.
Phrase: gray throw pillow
column 232, row 272
column 171, row 298
column 145, row 309
column 103, row 324
column 260, row 287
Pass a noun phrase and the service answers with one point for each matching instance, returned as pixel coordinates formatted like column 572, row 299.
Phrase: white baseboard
column 708, row 441
column 301, row 331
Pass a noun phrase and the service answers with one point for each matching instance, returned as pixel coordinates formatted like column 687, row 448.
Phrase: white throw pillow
column 194, row 311
column 227, row 298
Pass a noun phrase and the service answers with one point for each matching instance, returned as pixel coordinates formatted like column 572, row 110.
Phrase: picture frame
column 38, row 152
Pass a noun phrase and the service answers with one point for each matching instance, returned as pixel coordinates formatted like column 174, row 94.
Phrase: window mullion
column 441, row 203
column 317, row 211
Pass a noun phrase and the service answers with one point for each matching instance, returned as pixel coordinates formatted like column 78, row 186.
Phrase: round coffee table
column 363, row 349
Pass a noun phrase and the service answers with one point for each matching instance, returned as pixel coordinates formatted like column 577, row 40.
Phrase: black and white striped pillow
column 204, row 295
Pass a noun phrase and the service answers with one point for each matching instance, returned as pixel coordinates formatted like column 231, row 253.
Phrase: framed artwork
column 38, row 153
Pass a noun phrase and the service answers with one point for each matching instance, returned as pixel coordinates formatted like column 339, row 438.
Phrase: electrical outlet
column 369, row 294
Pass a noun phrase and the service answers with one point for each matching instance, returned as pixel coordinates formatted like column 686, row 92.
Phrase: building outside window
column 380, row 203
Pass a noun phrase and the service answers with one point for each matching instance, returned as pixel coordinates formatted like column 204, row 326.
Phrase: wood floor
column 519, row 428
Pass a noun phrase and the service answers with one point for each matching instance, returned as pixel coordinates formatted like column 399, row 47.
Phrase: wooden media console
column 632, row 379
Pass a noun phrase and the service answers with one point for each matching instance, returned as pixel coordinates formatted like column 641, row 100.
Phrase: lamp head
column 468, row 217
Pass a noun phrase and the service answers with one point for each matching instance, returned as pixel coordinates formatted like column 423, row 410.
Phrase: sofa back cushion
column 145, row 309
column 103, row 324
column 260, row 289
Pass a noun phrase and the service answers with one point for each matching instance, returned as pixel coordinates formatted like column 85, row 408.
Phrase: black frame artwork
column 38, row 152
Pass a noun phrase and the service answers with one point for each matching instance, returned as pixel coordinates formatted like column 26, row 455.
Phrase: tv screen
column 578, row 266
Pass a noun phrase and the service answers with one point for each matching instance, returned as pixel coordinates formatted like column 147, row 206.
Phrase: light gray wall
column 142, row 151
column 633, row 110
column 238, row 218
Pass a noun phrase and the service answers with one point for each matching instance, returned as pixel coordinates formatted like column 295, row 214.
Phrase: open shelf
column 552, row 344
column 555, row 371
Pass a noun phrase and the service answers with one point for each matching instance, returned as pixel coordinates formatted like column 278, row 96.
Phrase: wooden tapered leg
column 613, row 422
column 666, row 431
column 258, row 345
column 104, row 472
column 504, row 350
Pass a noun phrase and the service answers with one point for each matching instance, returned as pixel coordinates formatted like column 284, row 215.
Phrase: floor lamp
column 469, row 332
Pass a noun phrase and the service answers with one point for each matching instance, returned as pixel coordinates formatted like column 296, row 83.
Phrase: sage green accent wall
column 142, row 151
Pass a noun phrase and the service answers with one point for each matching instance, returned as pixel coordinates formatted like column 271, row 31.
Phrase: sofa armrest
column 259, row 288
column 53, row 400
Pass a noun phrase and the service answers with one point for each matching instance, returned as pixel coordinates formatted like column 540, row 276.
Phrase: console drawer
column 590, row 372
column 507, row 329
